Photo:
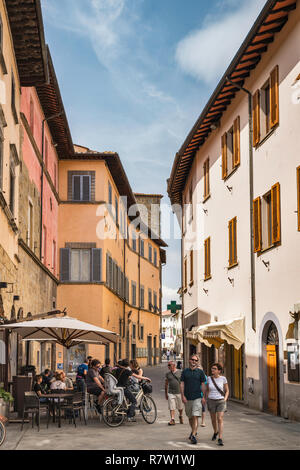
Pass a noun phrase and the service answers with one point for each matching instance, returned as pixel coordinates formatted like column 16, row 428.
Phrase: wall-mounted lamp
column 205, row 211
column 229, row 188
column 205, row 290
column 231, row 280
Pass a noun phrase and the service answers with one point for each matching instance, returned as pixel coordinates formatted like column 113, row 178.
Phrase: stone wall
column 149, row 207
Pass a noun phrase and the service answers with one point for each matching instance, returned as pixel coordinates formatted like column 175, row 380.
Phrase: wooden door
column 272, row 379
column 238, row 373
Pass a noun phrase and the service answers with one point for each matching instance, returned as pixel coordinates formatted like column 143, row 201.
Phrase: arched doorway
column 272, row 362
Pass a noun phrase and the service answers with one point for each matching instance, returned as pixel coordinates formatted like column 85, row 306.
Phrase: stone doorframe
column 263, row 369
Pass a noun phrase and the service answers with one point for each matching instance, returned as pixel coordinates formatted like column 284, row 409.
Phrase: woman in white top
column 217, row 393
column 58, row 383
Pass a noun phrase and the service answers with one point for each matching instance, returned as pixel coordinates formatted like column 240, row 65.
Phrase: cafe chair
column 73, row 406
column 33, row 406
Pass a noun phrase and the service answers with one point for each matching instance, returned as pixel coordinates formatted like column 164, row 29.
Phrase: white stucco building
column 241, row 222
column 172, row 331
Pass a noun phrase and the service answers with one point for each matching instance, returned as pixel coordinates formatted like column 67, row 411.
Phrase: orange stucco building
column 110, row 264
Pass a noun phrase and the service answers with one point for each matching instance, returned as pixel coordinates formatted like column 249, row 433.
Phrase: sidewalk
column 244, row 430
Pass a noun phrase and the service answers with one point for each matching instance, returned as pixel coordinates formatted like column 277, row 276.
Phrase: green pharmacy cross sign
column 173, row 307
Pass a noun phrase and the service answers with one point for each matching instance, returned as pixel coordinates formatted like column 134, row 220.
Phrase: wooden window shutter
column 96, row 264
column 191, row 266
column 236, row 142
column 76, row 188
column 275, row 203
column 257, row 224
column 230, row 242
column 298, row 195
column 64, row 264
column 207, row 273
column 224, row 156
column 274, row 97
column 185, row 274
column 256, row 118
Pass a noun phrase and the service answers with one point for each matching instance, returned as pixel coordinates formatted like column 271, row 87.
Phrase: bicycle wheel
column 110, row 415
column 148, row 409
column 2, row 433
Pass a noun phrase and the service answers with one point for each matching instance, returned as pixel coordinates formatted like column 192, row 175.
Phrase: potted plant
column 5, row 400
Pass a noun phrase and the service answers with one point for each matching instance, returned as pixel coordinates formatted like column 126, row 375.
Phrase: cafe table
column 57, row 399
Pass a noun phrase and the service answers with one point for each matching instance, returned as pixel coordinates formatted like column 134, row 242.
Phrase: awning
column 231, row 331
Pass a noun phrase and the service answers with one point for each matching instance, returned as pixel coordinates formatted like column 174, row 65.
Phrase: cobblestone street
column 244, row 430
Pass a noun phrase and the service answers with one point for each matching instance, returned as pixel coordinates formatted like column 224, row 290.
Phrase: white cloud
column 169, row 294
column 206, row 53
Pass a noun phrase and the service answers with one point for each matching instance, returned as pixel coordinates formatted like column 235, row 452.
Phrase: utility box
column 21, row 384
column 293, row 362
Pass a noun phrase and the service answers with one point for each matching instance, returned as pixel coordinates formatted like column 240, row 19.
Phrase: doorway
column 149, row 346
column 272, row 370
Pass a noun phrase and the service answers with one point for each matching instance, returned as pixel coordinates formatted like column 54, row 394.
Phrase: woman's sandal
column 172, row 422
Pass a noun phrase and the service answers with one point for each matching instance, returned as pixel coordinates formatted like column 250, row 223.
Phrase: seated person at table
column 67, row 381
column 39, row 389
column 94, row 383
column 106, row 369
column 58, row 383
column 47, row 377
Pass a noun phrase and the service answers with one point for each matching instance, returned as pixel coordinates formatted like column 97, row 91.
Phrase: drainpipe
column 182, row 293
column 252, row 261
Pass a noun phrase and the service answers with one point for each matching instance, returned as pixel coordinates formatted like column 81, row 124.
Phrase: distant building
column 171, row 334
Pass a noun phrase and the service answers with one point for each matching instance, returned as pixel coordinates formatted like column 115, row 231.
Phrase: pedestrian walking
column 174, row 355
column 217, row 392
column 172, row 392
column 168, row 354
column 193, row 390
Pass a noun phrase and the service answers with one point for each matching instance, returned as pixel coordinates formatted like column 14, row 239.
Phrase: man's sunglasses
column 194, row 360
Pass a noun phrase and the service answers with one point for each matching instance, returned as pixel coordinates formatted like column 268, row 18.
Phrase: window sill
column 232, row 172
column 205, row 198
column 264, row 250
column 191, row 283
column 14, row 112
column 207, row 278
column 266, row 137
column 185, row 290
column 231, row 266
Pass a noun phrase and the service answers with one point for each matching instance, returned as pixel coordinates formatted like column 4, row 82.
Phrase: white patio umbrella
column 64, row 330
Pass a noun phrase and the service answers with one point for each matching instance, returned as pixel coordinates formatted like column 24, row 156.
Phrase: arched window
column 272, row 335
column 20, row 314
column 13, row 313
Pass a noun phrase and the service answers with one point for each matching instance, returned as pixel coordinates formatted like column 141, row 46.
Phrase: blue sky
column 135, row 75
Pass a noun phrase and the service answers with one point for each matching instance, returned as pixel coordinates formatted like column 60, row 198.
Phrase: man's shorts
column 193, row 408
column 175, row 402
column 216, row 406
column 95, row 391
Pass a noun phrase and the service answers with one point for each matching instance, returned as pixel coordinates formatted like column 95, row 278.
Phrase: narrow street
column 244, row 430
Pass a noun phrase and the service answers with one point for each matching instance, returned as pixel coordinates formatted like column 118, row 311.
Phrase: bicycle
column 114, row 414
column 2, row 429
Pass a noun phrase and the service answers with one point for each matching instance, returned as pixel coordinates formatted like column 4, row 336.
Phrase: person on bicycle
column 123, row 373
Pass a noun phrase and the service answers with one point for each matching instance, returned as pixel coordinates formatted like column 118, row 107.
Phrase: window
column 133, row 242
column 127, row 289
column 298, row 195
column 80, row 265
column 31, row 115
column 46, row 153
column 30, row 225
column 133, row 291
column 185, row 274
column 155, row 301
column 44, row 247
column 133, row 331
column 13, row 98
column 1, row 157
column 191, row 202
column 12, row 180
column 142, row 247
column 207, row 261
column 117, row 210
column 150, row 299
column 232, row 242
column 142, row 333
column 55, row 175
column 155, row 257
column 54, row 256
column 266, row 107
column 231, row 149
column 191, row 267
column 150, row 253
column 142, row 297
column 109, row 194
column 266, row 219
column 81, row 188
column 206, row 179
